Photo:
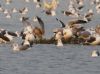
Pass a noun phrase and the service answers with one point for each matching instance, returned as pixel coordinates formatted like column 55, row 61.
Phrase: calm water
column 46, row 59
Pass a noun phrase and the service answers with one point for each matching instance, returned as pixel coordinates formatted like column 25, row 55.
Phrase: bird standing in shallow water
column 58, row 38
column 98, row 8
column 14, row 10
column 38, row 3
column 1, row 9
column 49, row 8
column 17, row 47
column 5, row 11
column 8, row 16
column 95, row 53
column 27, row 1
column 23, row 11
column 89, row 15
column 8, row 1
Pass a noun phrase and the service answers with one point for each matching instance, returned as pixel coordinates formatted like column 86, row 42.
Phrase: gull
column 49, row 8
column 1, row 9
column 98, row 8
column 8, row 16
column 38, row 3
column 23, row 11
column 17, row 47
column 14, row 10
column 95, row 53
column 58, row 37
column 39, row 32
column 5, row 11
column 88, row 16
column 8, row 1
column 27, row 1
column 8, row 36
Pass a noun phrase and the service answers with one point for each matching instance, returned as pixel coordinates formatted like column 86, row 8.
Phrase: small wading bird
column 58, row 37
column 5, row 11
column 68, row 13
column 14, row 10
column 8, row 16
column 98, row 8
column 72, row 8
column 51, row 5
column 49, row 8
column 17, row 47
column 38, row 3
column 27, row 1
column 1, row 9
column 23, row 11
column 7, row 36
column 95, row 53
column 88, row 16
column 80, row 4
column 8, row 1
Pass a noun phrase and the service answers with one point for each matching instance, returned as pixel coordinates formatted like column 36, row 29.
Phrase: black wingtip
column 57, row 19
column 63, row 25
column 40, row 22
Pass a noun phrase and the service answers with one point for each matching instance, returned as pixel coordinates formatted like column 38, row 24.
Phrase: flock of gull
column 73, row 32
